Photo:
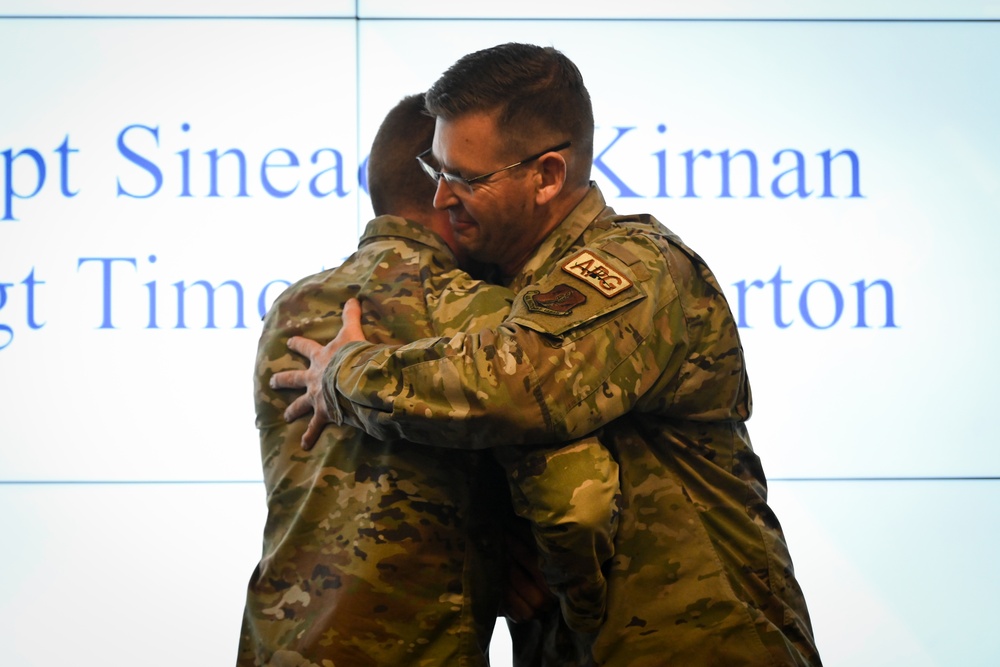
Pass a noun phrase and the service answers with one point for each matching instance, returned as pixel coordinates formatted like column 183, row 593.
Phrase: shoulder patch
column 560, row 300
column 596, row 273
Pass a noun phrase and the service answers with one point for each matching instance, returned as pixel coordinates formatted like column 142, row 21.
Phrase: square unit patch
column 596, row 273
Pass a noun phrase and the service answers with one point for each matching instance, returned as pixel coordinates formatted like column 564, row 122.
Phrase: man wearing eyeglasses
column 619, row 328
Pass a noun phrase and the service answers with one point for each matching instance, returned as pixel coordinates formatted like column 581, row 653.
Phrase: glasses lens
column 457, row 183
column 429, row 170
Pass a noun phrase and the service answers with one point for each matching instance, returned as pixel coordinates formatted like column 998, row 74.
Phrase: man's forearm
column 473, row 391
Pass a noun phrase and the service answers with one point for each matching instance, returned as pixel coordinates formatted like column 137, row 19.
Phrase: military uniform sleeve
column 579, row 349
column 570, row 495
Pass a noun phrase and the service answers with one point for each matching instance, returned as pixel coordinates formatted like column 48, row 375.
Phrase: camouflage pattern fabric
column 383, row 552
column 618, row 326
column 570, row 496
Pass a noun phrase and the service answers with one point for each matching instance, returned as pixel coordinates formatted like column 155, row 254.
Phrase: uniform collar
column 394, row 226
column 565, row 236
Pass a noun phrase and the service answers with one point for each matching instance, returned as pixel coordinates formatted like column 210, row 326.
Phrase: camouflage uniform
column 619, row 326
column 385, row 552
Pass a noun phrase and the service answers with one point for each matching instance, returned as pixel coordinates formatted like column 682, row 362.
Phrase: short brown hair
column 396, row 182
column 535, row 91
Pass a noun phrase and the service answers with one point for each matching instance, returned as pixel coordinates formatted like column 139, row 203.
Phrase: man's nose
column 444, row 196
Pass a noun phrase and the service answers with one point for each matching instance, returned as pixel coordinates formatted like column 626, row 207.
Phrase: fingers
column 351, row 327
column 526, row 594
column 533, row 589
column 311, row 435
column 515, row 608
column 524, row 598
column 311, row 380
column 352, row 311
column 304, row 346
column 288, row 380
column 300, row 407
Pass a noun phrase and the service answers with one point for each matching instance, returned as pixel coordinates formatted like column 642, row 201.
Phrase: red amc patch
column 560, row 300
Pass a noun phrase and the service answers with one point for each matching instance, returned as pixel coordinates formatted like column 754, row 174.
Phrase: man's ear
column 551, row 177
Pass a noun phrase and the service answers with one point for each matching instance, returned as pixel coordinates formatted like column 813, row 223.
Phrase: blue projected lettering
column 821, row 303
column 6, row 289
column 151, row 160
column 139, row 145
column 192, row 303
column 129, row 296
column 31, row 159
column 835, row 174
column 154, row 163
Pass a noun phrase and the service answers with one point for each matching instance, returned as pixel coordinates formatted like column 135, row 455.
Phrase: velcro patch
column 596, row 273
column 560, row 300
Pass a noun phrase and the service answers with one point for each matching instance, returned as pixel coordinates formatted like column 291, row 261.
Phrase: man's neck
column 557, row 211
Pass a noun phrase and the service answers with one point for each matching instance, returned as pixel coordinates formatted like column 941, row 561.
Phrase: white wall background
column 130, row 496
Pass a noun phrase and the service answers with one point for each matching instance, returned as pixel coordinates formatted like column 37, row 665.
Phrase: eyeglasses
column 454, row 180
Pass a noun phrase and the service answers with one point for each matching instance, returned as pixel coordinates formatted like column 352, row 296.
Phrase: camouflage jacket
column 618, row 326
column 375, row 553
column 382, row 552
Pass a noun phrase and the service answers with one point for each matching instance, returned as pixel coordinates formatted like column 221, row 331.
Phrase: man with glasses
column 618, row 328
